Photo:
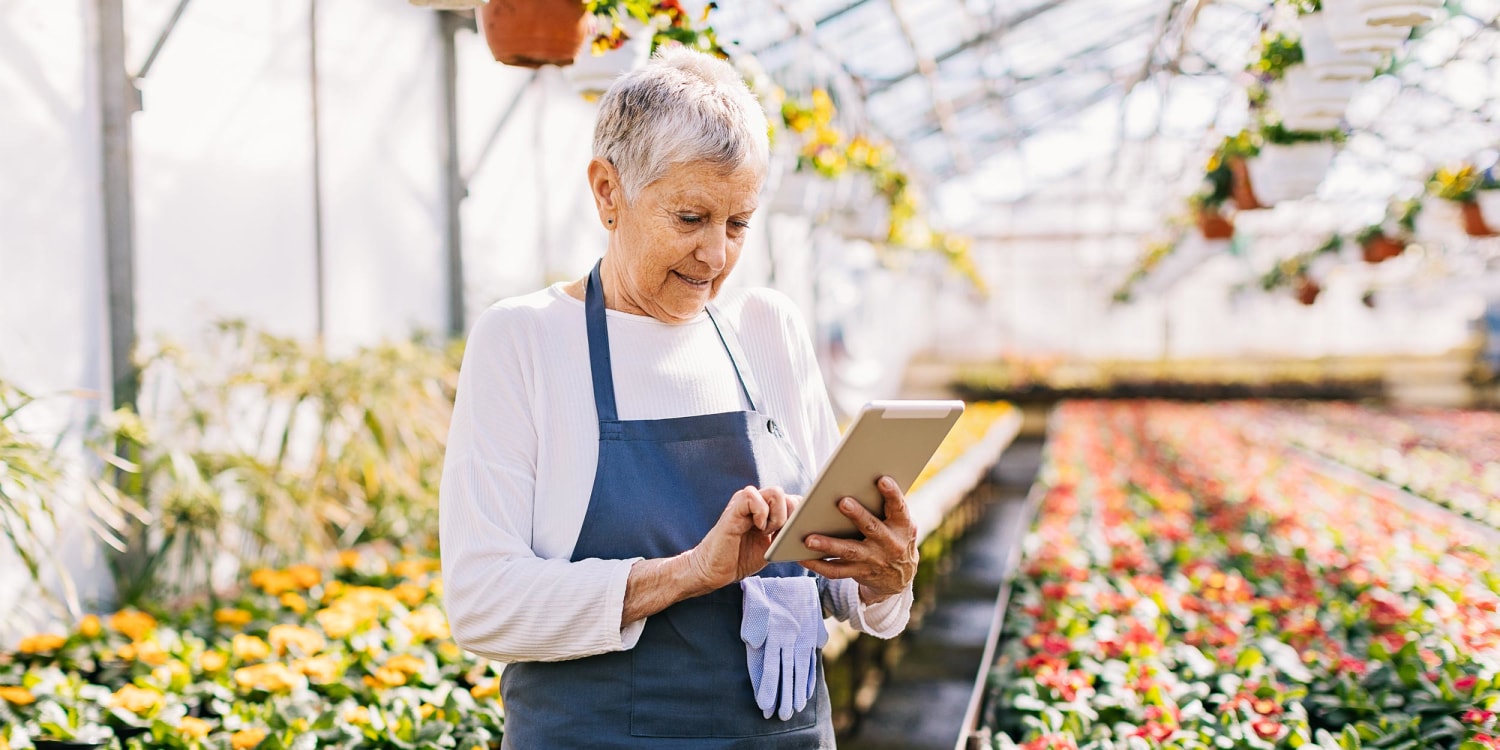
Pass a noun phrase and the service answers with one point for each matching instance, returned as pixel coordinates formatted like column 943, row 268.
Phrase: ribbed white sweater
column 524, row 443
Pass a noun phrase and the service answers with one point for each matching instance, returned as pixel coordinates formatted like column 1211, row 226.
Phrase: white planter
column 1399, row 13
column 1325, row 59
column 1286, row 173
column 1350, row 30
column 1309, row 121
column 1303, row 92
column 591, row 74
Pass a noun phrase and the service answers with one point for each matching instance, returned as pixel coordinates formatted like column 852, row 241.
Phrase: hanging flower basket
column 1213, row 225
column 1475, row 224
column 1487, row 205
column 1286, row 172
column 1309, row 102
column 1399, row 13
column 1350, row 29
column 533, row 33
column 591, row 74
column 1326, row 60
column 1379, row 248
column 1307, row 291
column 1243, row 192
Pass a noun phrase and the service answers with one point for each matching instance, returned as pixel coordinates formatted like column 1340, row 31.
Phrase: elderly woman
column 625, row 446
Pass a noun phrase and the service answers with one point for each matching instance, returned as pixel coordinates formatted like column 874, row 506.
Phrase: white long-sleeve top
column 524, row 444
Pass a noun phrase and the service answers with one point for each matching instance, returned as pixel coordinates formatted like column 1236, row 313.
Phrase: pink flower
column 1476, row 716
column 1466, row 683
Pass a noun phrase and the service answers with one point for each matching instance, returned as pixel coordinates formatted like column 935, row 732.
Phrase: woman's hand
column 885, row 562
column 736, row 546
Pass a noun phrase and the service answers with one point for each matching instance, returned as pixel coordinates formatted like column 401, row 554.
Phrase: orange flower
column 357, row 714
column 149, row 653
column 349, row 558
column 194, row 727
column 406, row 664
column 41, row 643
column 245, row 739
column 17, row 696
column 234, row 618
column 320, row 669
column 337, row 622
column 272, row 677
column 410, row 594
column 427, row 624
column 133, row 624
column 486, row 689
column 212, row 661
column 385, row 677
column 306, row 641
column 136, row 700
column 303, row 576
column 294, row 601
column 90, row 626
column 249, row 648
column 412, row 569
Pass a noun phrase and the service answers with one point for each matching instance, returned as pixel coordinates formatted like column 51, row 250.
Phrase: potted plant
column 1467, row 187
column 1291, row 163
column 1234, row 152
column 1399, row 13
column 615, row 47
column 1306, row 99
column 533, row 33
column 1208, row 203
column 1378, row 246
column 1352, row 29
column 1322, row 55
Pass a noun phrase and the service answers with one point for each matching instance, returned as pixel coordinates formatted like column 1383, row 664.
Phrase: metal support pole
column 454, row 187
column 117, row 100
column 317, row 169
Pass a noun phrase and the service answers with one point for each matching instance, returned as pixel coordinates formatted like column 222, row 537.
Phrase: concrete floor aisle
column 922, row 704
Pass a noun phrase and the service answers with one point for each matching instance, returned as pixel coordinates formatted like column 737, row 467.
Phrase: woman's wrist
column 659, row 583
column 869, row 596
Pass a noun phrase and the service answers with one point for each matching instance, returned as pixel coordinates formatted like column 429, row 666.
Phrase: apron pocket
column 689, row 677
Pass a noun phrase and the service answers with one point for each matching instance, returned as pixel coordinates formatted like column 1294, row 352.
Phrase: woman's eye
column 690, row 218
column 739, row 225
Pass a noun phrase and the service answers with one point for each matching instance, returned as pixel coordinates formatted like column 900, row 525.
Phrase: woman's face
column 671, row 249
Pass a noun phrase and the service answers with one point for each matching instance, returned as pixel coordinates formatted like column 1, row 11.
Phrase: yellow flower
column 306, row 641
column 427, row 624
column 245, row 739
column 90, row 626
column 294, row 601
column 320, row 669
column 150, row 653
column 194, row 727
column 410, row 594
column 212, row 661
column 436, row 587
column 385, row 677
column 174, row 674
column 40, row 643
column 412, row 569
column 17, row 696
column 486, row 689
column 136, row 700
column 357, row 715
column 272, row 677
column 337, row 622
column 234, row 618
column 406, row 664
column 249, row 648
column 303, row 576
column 449, row 651
column 133, row 624
column 368, row 599
column 427, row 710
column 349, row 558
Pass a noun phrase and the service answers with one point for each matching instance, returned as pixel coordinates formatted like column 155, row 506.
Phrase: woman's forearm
column 659, row 583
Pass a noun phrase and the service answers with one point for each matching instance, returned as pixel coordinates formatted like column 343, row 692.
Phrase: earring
column 610, row 222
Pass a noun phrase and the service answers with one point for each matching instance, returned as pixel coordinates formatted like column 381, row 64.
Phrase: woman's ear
column 609, row 196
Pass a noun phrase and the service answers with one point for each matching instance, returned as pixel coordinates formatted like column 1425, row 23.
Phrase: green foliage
column 1277, row 53
column 1275, row 132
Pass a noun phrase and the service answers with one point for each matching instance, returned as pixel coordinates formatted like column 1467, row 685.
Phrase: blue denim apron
column 659, row 487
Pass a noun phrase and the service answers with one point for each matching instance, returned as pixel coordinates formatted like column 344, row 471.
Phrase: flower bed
column 358, row 659
column 1184, row 588
column 1449, row 457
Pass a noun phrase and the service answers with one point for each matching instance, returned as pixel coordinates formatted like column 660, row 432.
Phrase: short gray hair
column 682, row 106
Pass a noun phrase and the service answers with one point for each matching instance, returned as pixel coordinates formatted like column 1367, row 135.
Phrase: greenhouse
column 875, row 374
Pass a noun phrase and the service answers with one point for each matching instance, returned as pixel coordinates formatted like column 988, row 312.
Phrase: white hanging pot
column 1325, row 59
column 1309, row 121
column 1301, row 90
column 1289, row 172
column 591, row 74
column 1399, row 13
column 1349, row 28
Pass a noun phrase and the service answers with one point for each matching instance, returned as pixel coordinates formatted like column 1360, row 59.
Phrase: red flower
column 1050, row 742
column 1487, row 741
column 1265, row 707
column 1155, row 731
column 1466, row 683
column 1476, row 716
column 1267, row 728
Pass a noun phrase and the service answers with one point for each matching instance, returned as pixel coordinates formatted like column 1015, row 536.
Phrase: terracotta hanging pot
column 1213, row 225
column 1308, row 290
column 533, row 33
column 1474, row 221
column 1244, row 195
column 1380, row 248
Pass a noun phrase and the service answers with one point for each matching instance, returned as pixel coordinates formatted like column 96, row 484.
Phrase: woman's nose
column 713, row 251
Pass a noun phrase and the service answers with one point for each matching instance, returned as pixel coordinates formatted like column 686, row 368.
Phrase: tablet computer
column 888, row 438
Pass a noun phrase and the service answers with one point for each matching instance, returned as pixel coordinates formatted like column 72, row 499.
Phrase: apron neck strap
column 599, row 365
